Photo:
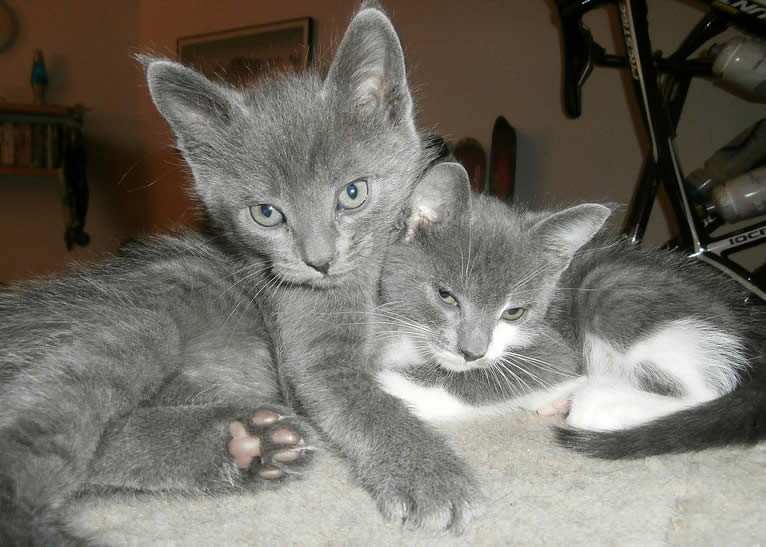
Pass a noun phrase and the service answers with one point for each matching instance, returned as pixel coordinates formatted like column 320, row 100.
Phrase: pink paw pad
column 555, row 408
column 245, row 446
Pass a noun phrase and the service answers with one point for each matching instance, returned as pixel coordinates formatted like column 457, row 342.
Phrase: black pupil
column 444, row 294
column 266, row 210
column 352, row 191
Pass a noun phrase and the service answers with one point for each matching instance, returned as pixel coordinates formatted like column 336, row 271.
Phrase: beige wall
column 470, row 62
column 86, row 44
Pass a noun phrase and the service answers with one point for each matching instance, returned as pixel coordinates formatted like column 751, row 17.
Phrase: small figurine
column 39, row 78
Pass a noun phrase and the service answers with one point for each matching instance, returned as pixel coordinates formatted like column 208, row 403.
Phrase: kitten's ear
column 441, row 198
column 566, row 231
column 196, row 108
column 369, row 68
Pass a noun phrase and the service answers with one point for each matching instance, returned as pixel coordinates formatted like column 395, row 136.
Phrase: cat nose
column 472, row 355
column 318, row 250
column 321, row 267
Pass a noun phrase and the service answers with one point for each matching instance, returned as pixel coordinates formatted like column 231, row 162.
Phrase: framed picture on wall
column 242, row 55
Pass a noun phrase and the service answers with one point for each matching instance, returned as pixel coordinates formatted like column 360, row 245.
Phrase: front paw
column 271, row 446
column 436, row 493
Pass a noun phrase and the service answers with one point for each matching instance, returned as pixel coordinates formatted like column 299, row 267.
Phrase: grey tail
column 739, row 417
column 22, row 525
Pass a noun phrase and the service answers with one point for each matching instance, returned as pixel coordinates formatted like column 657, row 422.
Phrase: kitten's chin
column 311, row 278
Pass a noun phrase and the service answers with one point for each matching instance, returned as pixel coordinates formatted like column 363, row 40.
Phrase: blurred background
column 469, row 62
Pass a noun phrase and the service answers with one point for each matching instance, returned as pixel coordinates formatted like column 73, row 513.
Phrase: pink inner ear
column 422, row 218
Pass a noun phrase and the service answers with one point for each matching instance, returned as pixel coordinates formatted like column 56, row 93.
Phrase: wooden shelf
column 43, row 134
column 54, row 109
column 29, row 171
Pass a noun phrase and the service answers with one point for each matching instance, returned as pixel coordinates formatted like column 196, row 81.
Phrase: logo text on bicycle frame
column 627, row 31
column 749, row 236
column 747, row 6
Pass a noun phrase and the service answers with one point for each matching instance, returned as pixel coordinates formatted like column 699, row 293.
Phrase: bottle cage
column 660, row 85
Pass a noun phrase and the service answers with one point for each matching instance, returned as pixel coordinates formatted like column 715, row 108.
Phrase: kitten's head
column 311, row 173
column 473, row 276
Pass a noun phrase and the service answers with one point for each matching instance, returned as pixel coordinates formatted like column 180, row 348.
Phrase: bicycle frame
column 661, row 103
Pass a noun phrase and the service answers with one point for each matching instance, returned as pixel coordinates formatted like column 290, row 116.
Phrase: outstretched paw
column 270, row 446
column 555, row 409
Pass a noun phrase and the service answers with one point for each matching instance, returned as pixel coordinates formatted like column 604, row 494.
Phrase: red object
column 502, row 166
column 470, row 154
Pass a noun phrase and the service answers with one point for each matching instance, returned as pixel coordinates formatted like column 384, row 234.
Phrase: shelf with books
column 46, row 140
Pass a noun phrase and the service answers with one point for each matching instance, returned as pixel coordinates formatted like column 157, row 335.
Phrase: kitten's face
column 309, row 173
column 318, row 192
column 476, row 295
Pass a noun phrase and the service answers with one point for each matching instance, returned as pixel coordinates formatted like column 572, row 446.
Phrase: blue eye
column 266, row 215
column 353, row 195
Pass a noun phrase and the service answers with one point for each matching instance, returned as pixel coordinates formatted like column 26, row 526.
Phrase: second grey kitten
column 488, row 307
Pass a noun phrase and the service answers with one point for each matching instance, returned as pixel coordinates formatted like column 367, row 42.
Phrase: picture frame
column 242, row 55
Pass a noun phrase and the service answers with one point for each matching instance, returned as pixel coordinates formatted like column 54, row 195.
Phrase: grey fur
column 127, row 374
column 575, row 280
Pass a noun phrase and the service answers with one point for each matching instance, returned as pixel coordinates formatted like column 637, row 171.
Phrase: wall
column 472, row 61
column 469, row 62
column 86, row 44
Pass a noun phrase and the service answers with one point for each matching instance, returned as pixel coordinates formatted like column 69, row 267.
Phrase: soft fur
column 654, row 351
column 129, row 374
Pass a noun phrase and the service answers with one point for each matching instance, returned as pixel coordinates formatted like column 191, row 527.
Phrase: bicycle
column 661, row 102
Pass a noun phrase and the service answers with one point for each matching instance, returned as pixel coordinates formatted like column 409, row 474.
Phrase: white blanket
column 539, row 494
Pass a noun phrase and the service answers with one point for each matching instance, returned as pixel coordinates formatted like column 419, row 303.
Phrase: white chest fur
column 436, row 404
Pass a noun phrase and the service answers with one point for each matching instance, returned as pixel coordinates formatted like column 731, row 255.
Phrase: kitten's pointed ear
column 566, row 231
column 441, row 198
column 369, row 68
column 195, row 107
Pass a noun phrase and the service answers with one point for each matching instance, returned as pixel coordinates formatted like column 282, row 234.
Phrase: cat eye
column 446, row 297
column 353, row 195
column 266, row 215
column 513, row 314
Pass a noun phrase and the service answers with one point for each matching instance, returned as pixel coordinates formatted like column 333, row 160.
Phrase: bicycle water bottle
column 741, row 154
column 741, row 197
column 742, row 63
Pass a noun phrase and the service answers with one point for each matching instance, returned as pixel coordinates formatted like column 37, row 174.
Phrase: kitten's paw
column 271, row 446
column 442, row 495
column 613, row 407
column 558, row 408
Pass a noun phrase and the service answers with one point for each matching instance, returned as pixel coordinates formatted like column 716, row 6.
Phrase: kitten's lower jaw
column 314, row 280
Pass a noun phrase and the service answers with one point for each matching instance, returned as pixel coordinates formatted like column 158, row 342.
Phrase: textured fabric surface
column 538, row 494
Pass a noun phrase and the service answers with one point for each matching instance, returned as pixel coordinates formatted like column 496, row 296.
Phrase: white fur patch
column 401, row 352
column 606, row 407
column 453, row 361
column 703, row 361
column 506, row 335
column 435, row 404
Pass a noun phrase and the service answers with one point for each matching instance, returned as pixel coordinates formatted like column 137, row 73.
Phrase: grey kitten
column 499, row 307
column 180, row 365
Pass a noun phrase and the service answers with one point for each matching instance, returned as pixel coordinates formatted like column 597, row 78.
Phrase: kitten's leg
column 611, row 406
column 192, row 448
column 54, row 410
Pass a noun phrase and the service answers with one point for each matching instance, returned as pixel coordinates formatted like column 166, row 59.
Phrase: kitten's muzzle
column 472, row 354
column 473, row 340
column 317, row 249
column 321, row 267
